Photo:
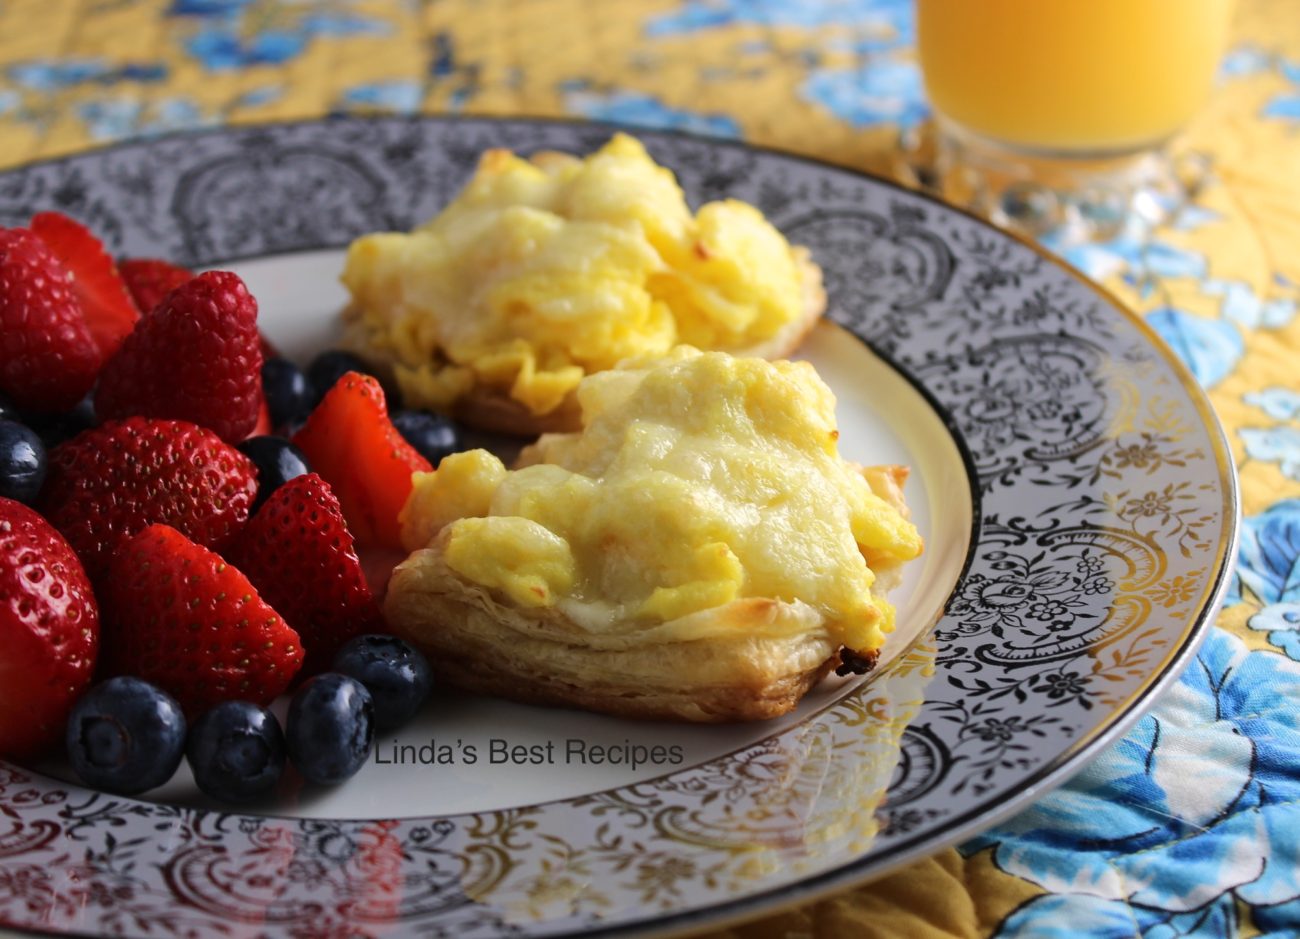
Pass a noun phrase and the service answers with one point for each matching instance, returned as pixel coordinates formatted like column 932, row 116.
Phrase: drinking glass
column 1057, row 113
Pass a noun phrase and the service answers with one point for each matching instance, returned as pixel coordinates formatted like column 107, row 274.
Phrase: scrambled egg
column 544, row 270
column 699, row 479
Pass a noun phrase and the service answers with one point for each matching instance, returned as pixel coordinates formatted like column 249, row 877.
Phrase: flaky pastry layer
column 761, row 660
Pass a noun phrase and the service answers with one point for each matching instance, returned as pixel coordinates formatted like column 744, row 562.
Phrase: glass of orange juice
column 1054, row 111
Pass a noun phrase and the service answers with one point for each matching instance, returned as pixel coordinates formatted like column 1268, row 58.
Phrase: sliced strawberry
column 179, row 616
column 263, row 425
column 48, row 359
column 298, row 553
column 149, row 280
column 349, row 440
column 110, row 482
column 110, row 312
column 49, row 631
column 194, row 358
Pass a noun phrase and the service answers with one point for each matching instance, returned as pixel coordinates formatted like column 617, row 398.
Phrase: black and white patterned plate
column 1080, row 554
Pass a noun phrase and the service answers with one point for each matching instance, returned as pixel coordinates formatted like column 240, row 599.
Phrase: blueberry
column 125, row 736
column 432, row 435
column 277, row 461
column 22, row 462
column 328, row 367
column 236, row 751
column 56, row 428
column 394, row 672
column 330, row 728
column 288, row 395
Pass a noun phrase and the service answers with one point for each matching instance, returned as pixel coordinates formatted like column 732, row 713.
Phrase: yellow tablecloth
column 836, row 80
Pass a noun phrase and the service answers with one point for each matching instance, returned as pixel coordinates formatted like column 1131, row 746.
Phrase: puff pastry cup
column 547, row 269
column 699, row 552
column 477, row 640
column 493, row 410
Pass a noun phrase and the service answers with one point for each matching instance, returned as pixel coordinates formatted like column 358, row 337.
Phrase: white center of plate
column 467, row 753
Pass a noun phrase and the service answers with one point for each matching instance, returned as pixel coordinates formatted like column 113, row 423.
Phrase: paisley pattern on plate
column 1107, row 509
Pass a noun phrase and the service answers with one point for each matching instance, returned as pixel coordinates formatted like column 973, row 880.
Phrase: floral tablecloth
column 1188, row 827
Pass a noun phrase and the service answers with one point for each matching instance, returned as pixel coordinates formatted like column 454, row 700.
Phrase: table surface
column 1188, row 827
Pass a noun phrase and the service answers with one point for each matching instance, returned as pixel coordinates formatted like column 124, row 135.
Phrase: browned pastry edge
column 493, row 410
column 477, row 642
column 718, row 705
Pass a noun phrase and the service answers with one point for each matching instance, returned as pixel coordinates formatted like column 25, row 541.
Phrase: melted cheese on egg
column 698, row 479
column 542, row 271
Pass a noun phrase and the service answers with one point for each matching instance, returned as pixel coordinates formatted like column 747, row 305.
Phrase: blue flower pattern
column 885, row 90
column 880, row 93
column 1286, row 106
column 639, row 110
column 1280, row 442
column 1197, row 808
column 1281, row 622
column 220, row 35
column 1210, row 348
column 1268, row 561
column 1137, row 255
column 234, row 34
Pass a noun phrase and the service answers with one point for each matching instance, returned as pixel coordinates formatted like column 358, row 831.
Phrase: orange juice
column 1071, row 76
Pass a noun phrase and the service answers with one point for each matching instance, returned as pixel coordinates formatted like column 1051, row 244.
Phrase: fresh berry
column 149, row 280
column 350, row 441
column 194, row 358
column 125, row 736
column 54, row 429
column 113, row 481
column 49, row 631
column 177, row 615
column 277, row 461
column 287, row 393
column 299, row 555
column 325, row 370
column 22, row 462
column 48, row 359
column 330, row 728
column 109, row 310
column 262, row 427
column 432, row 435
column 394, row 672
column 236, row 751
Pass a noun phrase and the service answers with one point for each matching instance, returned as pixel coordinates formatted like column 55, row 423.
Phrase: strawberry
column 109, row 482
column 48, row 359
column 350, row 441
column 149, row 280
column 194, row 358
column 298, row 553
column 49, row 631
column 110, row 312
column 177, row 615
column 263, row 425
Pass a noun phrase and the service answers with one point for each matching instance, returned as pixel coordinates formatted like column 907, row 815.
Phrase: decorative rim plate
column 1106, row 518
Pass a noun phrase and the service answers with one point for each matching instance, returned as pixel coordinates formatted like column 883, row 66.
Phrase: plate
column 1074, row 489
